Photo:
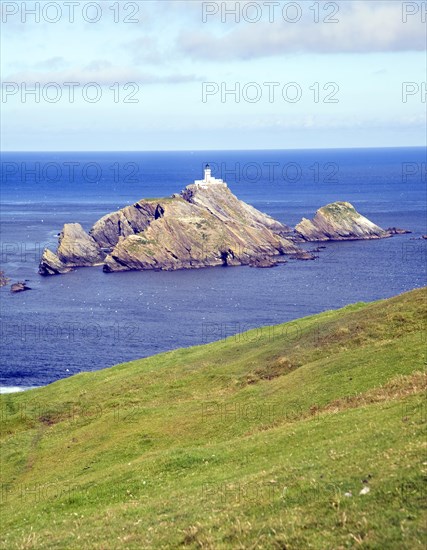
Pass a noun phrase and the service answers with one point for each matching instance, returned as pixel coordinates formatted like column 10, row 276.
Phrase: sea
column 89, row 320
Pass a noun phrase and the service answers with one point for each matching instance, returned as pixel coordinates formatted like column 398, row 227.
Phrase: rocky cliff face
column 50, row 264
column 75, row 249
column 221, row 203
column 128, row 221
column 338, row 221
column 204, row 226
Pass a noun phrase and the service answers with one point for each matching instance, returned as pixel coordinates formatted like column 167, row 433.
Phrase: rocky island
column 205, row 225
column 339, row 221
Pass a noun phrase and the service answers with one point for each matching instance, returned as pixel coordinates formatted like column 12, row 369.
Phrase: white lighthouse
column 208, row 179
column 208, row 173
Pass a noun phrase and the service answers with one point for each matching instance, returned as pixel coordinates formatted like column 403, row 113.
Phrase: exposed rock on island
column 50, row 264
column 75, row 249
column 338, row 221
column 205, row 225
column 397, row 231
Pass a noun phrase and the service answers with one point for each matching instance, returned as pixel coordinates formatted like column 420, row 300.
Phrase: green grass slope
column 263, row 440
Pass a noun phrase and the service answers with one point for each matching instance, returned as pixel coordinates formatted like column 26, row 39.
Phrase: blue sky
column 174, row 48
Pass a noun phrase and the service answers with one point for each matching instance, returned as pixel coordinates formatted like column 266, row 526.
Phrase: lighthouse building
column 209, row 179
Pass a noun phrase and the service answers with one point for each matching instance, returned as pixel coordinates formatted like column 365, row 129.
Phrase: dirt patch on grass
column 397, row 388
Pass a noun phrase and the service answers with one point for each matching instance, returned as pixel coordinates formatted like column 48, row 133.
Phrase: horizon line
column 206, row 150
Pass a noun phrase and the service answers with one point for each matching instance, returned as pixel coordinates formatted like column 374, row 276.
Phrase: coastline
column 4, row 390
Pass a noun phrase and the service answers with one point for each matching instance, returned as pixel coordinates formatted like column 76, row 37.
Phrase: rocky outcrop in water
column 205, row 225
column 3, row 279
column 397, row 231
column 50, row 264
column 265, row 262
column 19, row 287
column 75, row 249
column 338, row 221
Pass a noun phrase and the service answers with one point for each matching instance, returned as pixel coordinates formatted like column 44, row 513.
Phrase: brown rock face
column 338, row 221
column 204, row 227
column 220, row 202
column 76, row 249
column 50, row 264
column 128, row 221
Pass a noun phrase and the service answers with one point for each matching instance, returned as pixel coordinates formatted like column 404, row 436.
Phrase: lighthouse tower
column 208, row 179
column 208, row 173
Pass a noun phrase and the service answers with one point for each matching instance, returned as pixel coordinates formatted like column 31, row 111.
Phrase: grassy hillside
column 263, row 440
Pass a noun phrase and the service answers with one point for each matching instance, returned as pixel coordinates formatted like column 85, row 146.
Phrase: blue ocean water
column 89, row 320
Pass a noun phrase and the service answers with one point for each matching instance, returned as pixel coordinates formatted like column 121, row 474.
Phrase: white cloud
column 316, row 122
column 53, row 63
column 103, row 73
column 363, row 27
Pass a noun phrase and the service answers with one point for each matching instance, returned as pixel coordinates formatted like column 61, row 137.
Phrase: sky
column 195, row 75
